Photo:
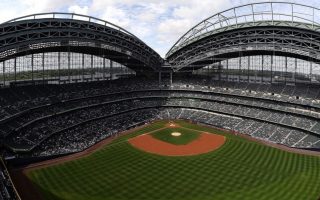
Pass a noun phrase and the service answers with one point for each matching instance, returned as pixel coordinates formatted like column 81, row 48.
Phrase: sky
column 159, row 23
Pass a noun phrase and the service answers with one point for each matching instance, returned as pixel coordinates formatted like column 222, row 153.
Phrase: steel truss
column 271, row 40
column 52, row 32
column 282, row 14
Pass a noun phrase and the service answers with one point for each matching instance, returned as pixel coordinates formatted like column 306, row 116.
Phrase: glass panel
column 9, row 71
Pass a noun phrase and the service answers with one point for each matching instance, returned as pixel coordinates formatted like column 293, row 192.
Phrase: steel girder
column 252, row 15
column 269, row 40
column 24, row 37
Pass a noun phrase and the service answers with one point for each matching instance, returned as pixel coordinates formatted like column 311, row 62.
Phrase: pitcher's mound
column 205, row 143
column 175, row 134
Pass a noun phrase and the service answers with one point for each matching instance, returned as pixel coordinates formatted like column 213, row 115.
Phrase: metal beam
column 253, row 17
column 22, row 37
column 251, row 41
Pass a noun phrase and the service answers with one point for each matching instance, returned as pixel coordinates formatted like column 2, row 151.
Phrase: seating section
column 57, row 119
column 83, row 136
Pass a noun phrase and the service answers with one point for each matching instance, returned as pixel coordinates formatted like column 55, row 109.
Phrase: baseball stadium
column 88, row 111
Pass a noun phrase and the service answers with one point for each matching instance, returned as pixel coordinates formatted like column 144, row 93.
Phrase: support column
column 285, row 74
column 295, row 70
column 42, row 68
column 15, row 69
column 240, row 68
column 159, row 78
column 111, row 69
column 248, row 72
column 82, row 67
column 59, row 66
column 121, row 70
column 227, row 70
column 170, row 78
column 69, row 67
column 91, row 67
column 262, row 63
column 220, row 70
column 32, row 67
column 104, row 69
column 310, row 71
column 4, row 71
column 271, row 69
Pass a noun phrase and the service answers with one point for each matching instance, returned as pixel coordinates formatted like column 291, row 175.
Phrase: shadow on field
column 29, row 190
column 46, row 194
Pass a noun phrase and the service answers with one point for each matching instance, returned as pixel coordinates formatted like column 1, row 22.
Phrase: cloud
column 151, row 11
column 158, row 23
column 116, row 15
column 36, row 6
column 171, row 29
column 79, row 10
column 17, row 8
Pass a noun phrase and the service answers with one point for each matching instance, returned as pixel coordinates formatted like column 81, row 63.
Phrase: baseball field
column 179, row 160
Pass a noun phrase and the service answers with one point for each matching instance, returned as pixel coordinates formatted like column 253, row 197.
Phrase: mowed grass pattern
column 240, row 169
column 186, row 136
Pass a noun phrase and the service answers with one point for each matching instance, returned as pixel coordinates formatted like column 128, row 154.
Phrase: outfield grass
column 240, row 169
column 186, row 136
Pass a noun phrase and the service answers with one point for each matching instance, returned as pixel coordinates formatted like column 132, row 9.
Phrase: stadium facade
column 69, row 81
column 261, row 42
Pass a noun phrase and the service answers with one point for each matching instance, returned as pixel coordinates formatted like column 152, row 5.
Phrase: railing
column 73, row 16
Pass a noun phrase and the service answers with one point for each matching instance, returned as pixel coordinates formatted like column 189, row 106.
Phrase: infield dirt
column 206, row 142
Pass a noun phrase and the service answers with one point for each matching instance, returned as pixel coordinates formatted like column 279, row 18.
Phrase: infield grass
column 239, row 170
column 186, row 136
